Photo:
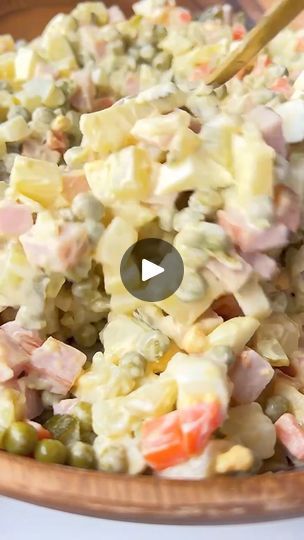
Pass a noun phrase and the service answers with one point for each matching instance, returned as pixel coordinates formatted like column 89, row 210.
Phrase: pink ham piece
column 13, row 360
column 83, row 98
column 56, row 366
column 60, row 253
column 132, row 84
column 33, row 402
column 291, row 435
column 115, row 14
column 74, row 182
column 15, row 219
column 37, row 150
column 65, row 406
column 264, row 266
column 101, row 103
column 27, row 340
column 270, row 125
column 287, row 207
column 249, row 238
column 249, row 374
column 91, row 42
column 41, row 431
column 232, row 278
column 57, row 141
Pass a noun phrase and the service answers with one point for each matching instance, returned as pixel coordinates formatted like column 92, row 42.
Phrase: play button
column 151, row 270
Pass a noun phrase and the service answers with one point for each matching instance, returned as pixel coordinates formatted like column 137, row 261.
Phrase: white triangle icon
column 150, row 270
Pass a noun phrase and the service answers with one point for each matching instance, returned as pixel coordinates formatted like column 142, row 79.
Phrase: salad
column 109, row 135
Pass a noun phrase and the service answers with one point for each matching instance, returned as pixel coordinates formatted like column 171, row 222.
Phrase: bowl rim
column 150, row 499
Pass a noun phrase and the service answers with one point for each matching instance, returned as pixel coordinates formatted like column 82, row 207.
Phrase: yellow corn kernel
column 194, row 340
column 238, row 458
column 61, row 123
column 160, row 365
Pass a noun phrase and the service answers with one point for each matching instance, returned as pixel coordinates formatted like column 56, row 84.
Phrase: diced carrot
column 200, row 71
column 172, row 438
column 185, row 16
column 42, row 432
column 238, row 32
column 197, row 424
column 300, row 44
column 282, row 86
column 162, row 441
column 291, row 435
column 227, row 307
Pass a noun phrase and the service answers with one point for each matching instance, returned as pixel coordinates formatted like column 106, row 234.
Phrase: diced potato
column 253, row 301
column 250, row 427
column 83, row 12
column 43, row 91
column 187, row 312
column 217, row 135
column 12, row 407
column 25, row 63
column 58, row 51
column 7, row 43
column 199, row 379
column 134, row 213
column 292, row 114
column 160, row 129
column 196, row 171
column 16, row 276
column 282, row 387
column 234, row 333
column 253, row 162
column 2, row 147
column 38, row 180
column 119, row 234
column 123, row 175
column 14, row 130
column 7, row 66
column 109, row 130
column 6, row 102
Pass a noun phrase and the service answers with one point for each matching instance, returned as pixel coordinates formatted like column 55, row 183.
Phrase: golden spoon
column 270, row 25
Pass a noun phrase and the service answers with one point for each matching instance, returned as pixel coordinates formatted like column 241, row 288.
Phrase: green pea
column 81, row 455
column 83, row 412
column 50, row 451
column 85, row 205
column 43, row 115
column 64, row 427
column 20, row 438
column 275, row 407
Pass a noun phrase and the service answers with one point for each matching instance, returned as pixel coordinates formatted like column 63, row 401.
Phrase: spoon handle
column 272, row 23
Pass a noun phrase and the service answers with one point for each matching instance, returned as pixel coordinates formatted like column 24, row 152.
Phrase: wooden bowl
column 144, row 498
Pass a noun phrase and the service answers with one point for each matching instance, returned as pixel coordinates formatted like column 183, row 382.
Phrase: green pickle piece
column 50, row 451
column 81, row 455
column 64, row 427
column 20, row 438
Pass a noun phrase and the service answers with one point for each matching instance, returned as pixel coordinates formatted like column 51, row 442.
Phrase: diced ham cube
column 74, row 182
column 57, row 140
column 262, row 264
column 249, row 238
column 46, row 70
column 101, row 103
column 56, row 365
column 269, row 123
column 250, row 374
column 291, row 435
column 60, row 253
column 28, row 340
column 13, row 360
column 91, row 41
column 33, row 401
column 15, row 219
column 37, row 150
column 287, row 207
column 83, row 98
column 132, row 84
column 232, row 278
column 65, row 406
